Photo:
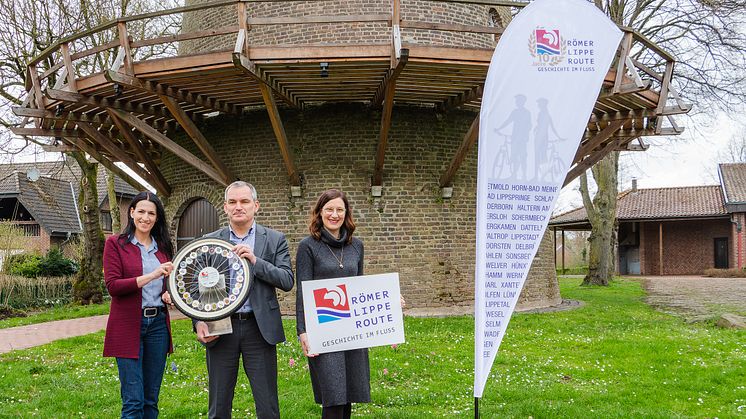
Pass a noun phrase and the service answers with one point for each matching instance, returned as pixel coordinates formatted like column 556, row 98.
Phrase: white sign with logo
column 354, row 312
column 543, row 80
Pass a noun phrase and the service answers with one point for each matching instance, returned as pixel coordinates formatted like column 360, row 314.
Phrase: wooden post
column 243, row 26
column 469, row 139
column 626, row 46
column 663, row 97
column 124, row 43
column 395, row 32
column 660, row 248
column 70, row 71
column 563, row 252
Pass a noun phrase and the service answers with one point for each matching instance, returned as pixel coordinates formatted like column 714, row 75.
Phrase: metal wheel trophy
column 209, row 282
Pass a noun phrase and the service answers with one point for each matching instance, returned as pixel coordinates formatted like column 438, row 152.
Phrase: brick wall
column 342, row 33
column 688, row 246
column 410, row 230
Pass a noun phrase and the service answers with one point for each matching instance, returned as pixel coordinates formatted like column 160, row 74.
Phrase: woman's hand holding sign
column 303, row 337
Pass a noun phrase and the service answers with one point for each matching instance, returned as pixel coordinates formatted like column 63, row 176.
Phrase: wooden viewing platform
column 118, row 101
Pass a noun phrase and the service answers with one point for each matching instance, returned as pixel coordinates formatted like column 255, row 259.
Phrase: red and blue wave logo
column 331, row 303
column 548, row 42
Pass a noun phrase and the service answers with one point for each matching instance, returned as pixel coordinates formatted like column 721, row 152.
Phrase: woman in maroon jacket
column 138, row 332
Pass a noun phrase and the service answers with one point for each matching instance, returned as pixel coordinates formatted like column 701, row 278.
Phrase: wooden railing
column 111, row 46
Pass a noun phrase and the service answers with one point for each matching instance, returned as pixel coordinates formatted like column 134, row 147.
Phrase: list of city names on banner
column 516, row 215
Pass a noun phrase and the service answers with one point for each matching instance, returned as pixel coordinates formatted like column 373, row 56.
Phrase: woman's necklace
column 340, row 258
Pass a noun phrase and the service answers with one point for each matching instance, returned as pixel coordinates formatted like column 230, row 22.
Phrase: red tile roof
column 659, row 203
column 733, row 179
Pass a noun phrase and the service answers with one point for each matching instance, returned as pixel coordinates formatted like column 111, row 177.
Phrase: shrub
column 24, row 264
column 56, row 264
column 575, row 270
column 21, row 293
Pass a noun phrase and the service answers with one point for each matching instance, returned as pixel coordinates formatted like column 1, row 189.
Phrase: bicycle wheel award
column 209, row 282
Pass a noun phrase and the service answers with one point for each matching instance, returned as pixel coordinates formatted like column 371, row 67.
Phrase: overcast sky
column 689, row 159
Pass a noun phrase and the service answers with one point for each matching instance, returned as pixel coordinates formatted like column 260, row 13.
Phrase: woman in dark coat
column 338, row 378
column 138, row 331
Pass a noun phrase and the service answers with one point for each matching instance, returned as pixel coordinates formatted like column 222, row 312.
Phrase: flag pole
column 476, row 408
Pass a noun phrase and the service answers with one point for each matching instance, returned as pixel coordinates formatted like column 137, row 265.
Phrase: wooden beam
column 598, row 139
column 589, row 161
column 115, row 151
column 70, row 70
column 63, row 116
column 663, row 98
column 243, row 63
column 161, row 89
column 388, row 107
column 169, row 145
column 621, row 62
column 59, row 148
column 159, row 182
column 625, row 89
column 279, row 129
column 124, row 43
column 643, row 132
column 42, row 132
column 196, row 135
column 107, row 103
column 469, row 139
column 454, row 102
column 634, row 114
column 82, row 145
column 660, row 248
column 390, row 77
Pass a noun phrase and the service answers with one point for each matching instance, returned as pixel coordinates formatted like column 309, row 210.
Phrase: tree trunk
column 116, row 221
column 602, row 216
column 88, row 284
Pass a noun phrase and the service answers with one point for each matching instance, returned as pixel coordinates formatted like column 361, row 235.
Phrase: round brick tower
column 411, row 228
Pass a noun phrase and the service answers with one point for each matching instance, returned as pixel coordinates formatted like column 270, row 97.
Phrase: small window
column 106, row 221
column 495, row 20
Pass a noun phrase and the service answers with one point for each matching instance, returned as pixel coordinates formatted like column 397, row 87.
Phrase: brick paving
column 696, row 298
column 23, row 337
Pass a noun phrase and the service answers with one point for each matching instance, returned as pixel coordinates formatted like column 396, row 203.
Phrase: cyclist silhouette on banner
column 544, row 147
column 520, row 118
column 512, row 157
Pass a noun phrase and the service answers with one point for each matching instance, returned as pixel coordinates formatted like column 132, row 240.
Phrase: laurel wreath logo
column 555, row 59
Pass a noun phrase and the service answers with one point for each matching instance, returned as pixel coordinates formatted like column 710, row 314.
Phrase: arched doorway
column 199, row 218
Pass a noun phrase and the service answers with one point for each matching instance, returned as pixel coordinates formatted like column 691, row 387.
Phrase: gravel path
column 696, row 298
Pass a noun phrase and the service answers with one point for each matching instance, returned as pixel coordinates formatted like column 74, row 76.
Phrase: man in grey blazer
column 257, row 326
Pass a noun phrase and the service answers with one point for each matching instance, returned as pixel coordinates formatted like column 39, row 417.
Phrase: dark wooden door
column 199, row 218
column 721, row 253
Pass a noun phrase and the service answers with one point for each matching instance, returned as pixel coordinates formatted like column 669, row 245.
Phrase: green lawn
column 614, row 357
column 56, row 313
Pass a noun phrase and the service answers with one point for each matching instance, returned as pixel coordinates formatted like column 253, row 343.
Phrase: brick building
column 676, row 231
column 41, row 199
column 410, row 228
column 377, row 97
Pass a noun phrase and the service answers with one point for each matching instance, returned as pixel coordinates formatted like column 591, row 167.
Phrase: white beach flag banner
column 542, row 83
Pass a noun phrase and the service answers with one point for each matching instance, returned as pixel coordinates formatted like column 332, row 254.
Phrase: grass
column 61, row 312
column 614, row 357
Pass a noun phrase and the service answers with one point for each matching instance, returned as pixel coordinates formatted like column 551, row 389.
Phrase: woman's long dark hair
column 160, row 230
column 315, row 223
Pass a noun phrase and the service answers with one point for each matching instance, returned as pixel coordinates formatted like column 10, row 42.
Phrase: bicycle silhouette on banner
column 512, row 162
